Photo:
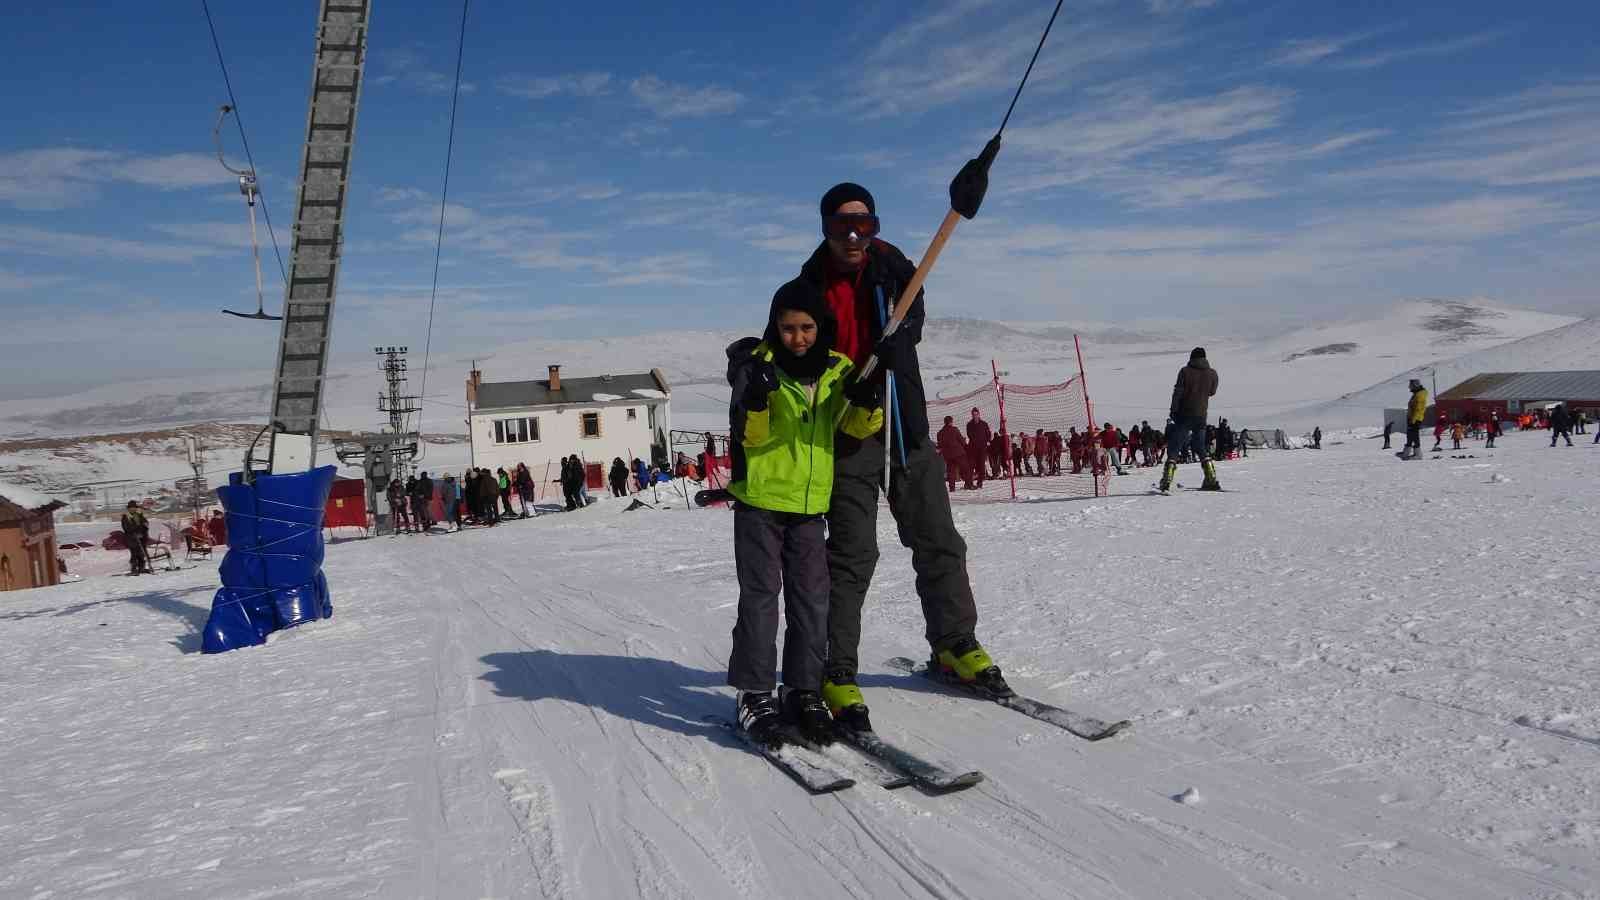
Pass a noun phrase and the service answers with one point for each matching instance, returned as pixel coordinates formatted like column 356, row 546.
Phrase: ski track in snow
column 1380, row 676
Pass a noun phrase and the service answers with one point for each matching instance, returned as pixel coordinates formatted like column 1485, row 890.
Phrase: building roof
column 1527, row 386
column 16, row 512
column 591, row 390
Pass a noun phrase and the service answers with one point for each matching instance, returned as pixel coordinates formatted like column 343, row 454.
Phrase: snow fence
column 272, row 574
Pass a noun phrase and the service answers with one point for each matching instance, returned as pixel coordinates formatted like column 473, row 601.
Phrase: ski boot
column 1168, row 472
column 965, row 661
column 759, row 718
column 1211, row 483
column 806, row 713
column 844, row 700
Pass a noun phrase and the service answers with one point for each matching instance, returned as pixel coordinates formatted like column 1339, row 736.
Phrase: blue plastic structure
column 272, row 574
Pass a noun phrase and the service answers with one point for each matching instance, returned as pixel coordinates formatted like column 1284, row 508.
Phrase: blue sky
column 628, row 166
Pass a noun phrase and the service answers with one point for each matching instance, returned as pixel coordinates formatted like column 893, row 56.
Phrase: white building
column 540, row 422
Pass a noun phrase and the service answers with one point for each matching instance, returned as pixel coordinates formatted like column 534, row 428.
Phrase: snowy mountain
column 1129, row 372
column 1571, row 346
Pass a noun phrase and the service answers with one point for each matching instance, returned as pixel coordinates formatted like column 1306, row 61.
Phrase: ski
column 712, row 495
column 1085, row 726
column 887, row 777
column 926, row 774
column 817, row 775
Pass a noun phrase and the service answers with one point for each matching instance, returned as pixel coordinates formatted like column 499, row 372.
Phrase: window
column 633, row 414
column 516, row 431
column 589, row 425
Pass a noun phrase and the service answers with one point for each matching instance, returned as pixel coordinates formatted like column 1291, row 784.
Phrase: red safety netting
column 1032, row 451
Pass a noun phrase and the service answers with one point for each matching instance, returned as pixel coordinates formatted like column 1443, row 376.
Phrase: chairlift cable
column 438, row 246
column 245, row 141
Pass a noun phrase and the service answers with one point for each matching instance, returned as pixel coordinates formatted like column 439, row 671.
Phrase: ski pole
column 967, row 190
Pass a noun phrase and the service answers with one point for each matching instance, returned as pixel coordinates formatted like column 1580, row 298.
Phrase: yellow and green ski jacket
column 783, row 455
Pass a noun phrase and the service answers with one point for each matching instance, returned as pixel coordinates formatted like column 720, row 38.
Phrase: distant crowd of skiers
column 482, row 497
column 982, row 453
column 1560, row 421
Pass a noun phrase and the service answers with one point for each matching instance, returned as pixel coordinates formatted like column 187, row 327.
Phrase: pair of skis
column 821, row 770
column 857, row 756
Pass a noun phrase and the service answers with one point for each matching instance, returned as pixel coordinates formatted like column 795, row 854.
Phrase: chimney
column 474, row 378
column 555, row 379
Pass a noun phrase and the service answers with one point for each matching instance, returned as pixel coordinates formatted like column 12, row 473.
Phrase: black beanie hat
column 843, row 193
column 807, row 297
column 1197, row 353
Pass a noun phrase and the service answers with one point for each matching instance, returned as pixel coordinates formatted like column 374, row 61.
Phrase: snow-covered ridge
column 1261, row 378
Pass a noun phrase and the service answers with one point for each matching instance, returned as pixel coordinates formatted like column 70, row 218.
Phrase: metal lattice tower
column 395, row 403
column 341, row 50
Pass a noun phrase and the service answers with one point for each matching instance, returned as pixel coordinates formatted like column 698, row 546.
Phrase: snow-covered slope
column 1363, row 678
column 1572, row 346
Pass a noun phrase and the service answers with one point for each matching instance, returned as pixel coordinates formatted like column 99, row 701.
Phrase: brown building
column 28, row 546
column 1508, row 394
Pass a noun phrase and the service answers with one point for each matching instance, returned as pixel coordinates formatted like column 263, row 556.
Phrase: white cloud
column 1166, row 7
column 60, row 177
column 17, row 281
column 1272, row 153
column 225, row 234
column 674, row 101
column 1440, row 48
column 1543, row 136
column 44, row 242
column 585, row 84
column 1311, row 51
column 408, row 67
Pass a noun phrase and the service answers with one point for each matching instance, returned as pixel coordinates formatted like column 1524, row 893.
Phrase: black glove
column 972, row 182
column 894, row 349
column 763, row 380
column 866, row 393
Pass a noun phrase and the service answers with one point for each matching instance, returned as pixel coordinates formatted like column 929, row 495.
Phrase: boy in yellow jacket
column 791, row 393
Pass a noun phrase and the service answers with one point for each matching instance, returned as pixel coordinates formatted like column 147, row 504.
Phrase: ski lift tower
column 272, row 576
column 385, row 454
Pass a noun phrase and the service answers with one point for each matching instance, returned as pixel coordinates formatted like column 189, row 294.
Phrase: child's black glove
column 763, row 381
column 866, row 393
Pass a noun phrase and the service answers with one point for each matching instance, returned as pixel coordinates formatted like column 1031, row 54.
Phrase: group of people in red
column 981, row 453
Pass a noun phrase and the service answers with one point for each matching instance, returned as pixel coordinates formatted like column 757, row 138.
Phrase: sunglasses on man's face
column 853, row 227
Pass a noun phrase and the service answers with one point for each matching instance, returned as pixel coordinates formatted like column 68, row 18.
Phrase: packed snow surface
column 1349, row 677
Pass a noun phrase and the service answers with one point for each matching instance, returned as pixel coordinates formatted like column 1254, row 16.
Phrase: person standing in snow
column 1491, row 431
column 422, row 502
column 1388, row 429
column 619, row 478
column 1560, row 425
column 978, row 437
column 783, row 478
column 1457, row 432
column 1191, row 396
column 953, row 448
column 450, row 496
column 861, row 277
column 1316, row 438
column 398, row 502
column 135, row 531
column 1416, row 411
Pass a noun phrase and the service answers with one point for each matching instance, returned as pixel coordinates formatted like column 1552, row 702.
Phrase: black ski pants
column 775, row 551
column 1414, row 437
column 1562, row 433
column 920, row 505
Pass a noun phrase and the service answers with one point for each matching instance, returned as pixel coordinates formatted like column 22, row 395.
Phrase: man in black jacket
column 1191, row 396
column 861, row 277
column 1560, row 425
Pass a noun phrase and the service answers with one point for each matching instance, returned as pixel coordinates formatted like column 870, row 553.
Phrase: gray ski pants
column 773, row 551
column 920, row 505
